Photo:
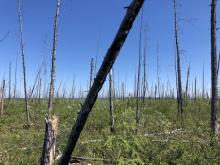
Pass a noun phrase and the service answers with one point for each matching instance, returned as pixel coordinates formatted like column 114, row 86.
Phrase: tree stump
column 49, row 147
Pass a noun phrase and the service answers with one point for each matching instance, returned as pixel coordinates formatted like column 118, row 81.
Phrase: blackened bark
column 179, row 83
column 112, row 121
column 139, row 74
column 2, row 97
column 145, row 73
column 213, row 69
column 187, row 85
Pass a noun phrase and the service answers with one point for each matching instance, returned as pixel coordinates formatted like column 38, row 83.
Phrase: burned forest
column 109, row 82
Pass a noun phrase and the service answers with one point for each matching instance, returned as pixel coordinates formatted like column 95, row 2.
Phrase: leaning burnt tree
column 23, row 63
column 214, row 93
column 51, row 122
column 179, row 83
column 106, row 66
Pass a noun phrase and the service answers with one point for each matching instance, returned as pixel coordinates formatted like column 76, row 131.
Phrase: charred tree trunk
column 187, row 86
column 23, row 63
column 214, row 93
column 145, row 74
column 35, row 82
column 112, row 122
column 107, row 64
column 9, row 87
column 195, row 91
column 139, row 74
column 218, row 63
column 39, row 90
column 203, row 83
column 158, row 78
column 180, row 101
column 15, row 83
column 2, row 97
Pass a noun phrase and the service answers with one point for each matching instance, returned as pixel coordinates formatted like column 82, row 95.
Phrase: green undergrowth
column 160, row 138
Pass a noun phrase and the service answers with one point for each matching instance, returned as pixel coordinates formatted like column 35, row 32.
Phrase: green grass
column 149, row 142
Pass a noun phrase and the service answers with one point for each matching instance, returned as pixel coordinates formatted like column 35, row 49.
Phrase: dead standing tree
column 179, row 83
column 158, row 77
column 195, row 91
column 145, row 73
column 187, row 86
column 9, row 79
column 203, row 83
column 214, row 93
column 2, row 97
column 51, row 123
column 52, row 78
column 139, row 73
column 15, row 81
column 218, row 63
column 112, row 122
column 23, row 63
column 107, row 64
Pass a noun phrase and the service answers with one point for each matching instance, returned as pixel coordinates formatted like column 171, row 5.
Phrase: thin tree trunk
column 187, row 84
column 2, row 97
column 203, row 83
column 195, row 91
column 9, row 88
column 35, row 82
column 49, row 147
column 135, row 85
column 218, row 63
column 139, row 73
column 45, row 94
column 145, row 74
column 23, row 63
column 15, row 83
column 180, row 102
column 107, row 64
column 52, row 78
column 39, row 90
column 214, row 93
column 91, row 73
column 111, row 102
column 73, row 89
column 158, row 78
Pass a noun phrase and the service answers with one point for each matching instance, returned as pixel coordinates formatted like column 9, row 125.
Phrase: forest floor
column 160, row 138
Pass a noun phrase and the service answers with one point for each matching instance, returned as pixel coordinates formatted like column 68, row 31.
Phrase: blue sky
column 84, row 24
